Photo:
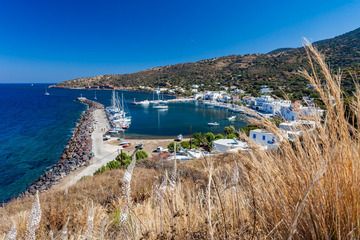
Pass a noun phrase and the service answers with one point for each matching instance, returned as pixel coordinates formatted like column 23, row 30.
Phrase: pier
column 175, row 100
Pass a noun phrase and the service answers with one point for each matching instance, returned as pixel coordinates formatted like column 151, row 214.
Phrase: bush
column 124, row 159
column 231, row 136
column 209, row 136
column 229, row 130
column 246, row 129
column 114, row 164
column 171, row 147
column 185, row 144
column 219, row 136
column 141, row 154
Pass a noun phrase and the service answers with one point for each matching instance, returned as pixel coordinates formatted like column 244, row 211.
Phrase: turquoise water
column 34, row 128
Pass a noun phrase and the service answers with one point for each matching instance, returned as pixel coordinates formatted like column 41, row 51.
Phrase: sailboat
column 117, row 113
column 46, row 92
column 160, row 104
column 95, row 96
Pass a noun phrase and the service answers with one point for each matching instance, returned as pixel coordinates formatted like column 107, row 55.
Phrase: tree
column 209, row 136
column 229, row 130
column 124, row 159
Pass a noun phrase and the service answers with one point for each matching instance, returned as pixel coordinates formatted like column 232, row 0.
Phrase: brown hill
column 277, row 69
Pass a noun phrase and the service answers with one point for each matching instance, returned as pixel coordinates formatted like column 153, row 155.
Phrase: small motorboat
column 232, row 118
column 160, row 106
column 213, row 124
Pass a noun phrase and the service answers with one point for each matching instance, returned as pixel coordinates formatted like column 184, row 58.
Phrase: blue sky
column 51, row 41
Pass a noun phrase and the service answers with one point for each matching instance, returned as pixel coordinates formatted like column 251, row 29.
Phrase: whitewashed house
column 199, row 96
column 267, row 140
column 212, row 96
column 296, row 112
column 229, row 145
column 265, row 90
column 295, row 129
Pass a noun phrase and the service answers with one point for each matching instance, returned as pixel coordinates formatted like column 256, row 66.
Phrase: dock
column 175, row 100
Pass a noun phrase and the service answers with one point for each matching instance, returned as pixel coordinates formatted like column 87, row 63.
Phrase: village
column 294, row 118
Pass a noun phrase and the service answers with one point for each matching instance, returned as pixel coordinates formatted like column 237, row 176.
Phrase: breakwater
column 77, row 153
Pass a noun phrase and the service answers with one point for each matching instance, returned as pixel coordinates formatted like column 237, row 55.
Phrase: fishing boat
column 213, row 124
column 232, row 118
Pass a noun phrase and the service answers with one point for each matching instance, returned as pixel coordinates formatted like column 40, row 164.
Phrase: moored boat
column 213, row 124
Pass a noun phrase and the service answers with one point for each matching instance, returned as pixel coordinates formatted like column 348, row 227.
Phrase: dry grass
column 308, row 189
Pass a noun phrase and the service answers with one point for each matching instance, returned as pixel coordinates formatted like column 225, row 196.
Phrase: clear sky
column 55, row 40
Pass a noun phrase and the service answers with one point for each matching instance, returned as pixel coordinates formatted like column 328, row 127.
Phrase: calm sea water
column 34, row 128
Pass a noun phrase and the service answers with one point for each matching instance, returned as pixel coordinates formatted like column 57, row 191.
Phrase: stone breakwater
column 77, row 152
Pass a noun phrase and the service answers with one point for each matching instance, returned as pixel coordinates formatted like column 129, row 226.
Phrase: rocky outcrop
column 77, row 152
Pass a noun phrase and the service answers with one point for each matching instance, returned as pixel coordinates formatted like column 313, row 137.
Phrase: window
column 254, row 136
column 263, row 138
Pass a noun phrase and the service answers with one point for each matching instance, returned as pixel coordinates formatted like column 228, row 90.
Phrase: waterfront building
column 265, row 139
column 229, row 145
column 296, row 112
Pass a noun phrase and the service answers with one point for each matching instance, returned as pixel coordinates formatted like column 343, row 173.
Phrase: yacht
column 232, row 118
column 160, row 102
column 213, row 124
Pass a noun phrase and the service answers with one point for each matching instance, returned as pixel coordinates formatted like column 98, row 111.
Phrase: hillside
column 307, row 189
column 276, row 69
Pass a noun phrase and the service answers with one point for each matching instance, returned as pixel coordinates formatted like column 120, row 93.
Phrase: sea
column 34, row 128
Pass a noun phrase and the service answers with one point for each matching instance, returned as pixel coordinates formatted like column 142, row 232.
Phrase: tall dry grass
column 307, row 189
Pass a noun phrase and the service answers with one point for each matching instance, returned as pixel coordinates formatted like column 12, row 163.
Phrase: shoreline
column 77, row 152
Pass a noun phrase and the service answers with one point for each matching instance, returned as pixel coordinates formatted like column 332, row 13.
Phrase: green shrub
column 141, row 154
column 209, row 136
column 114, row 164
column 229, row 130
column 219, row 136
column 231, row 136
column 185, row 144
column 171, row 147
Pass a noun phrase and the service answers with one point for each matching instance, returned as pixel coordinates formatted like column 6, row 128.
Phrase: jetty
column 175, row 100
column 77, row 153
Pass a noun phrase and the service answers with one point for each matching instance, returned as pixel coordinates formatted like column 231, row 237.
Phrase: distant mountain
column 276, row 69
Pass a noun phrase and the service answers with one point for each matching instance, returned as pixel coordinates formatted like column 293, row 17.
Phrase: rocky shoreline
column 77, row 153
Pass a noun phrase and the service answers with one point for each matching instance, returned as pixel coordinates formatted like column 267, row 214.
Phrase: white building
column 212, row 96
column 295, row 129
column 267, row 140
column 297, row 112
column 265, row 90
column 229, row 145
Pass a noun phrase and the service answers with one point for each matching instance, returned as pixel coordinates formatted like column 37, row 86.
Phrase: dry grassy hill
column 307, row 189
column 277, row 69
